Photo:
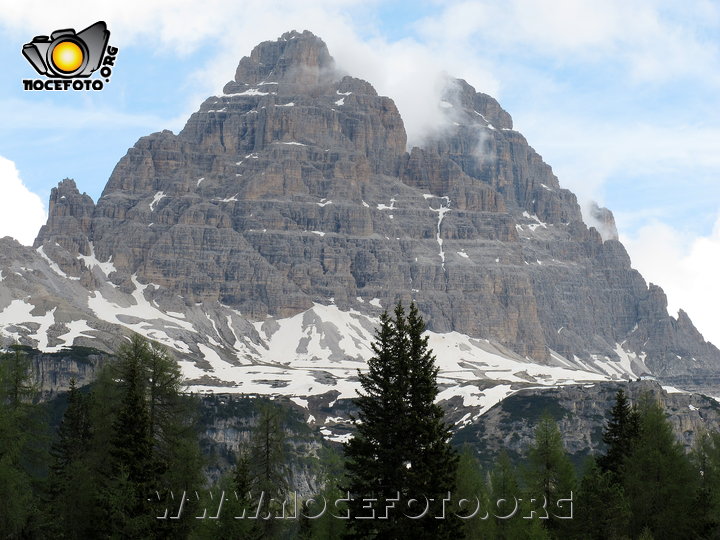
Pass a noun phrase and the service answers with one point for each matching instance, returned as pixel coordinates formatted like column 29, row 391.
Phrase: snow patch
column 140, row 316
column 18, row 313
column 156, row 199
column 53, row 265
column 75, row 330
column 534, row 218
column 91, row 262
column 441, row 215
column 386, row 207
column 474, row 397
column 673, row 390
column 251, row 92
column 299, row 401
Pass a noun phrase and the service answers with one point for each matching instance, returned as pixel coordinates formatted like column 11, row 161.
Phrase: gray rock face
column 294, row 187
column 582, row 412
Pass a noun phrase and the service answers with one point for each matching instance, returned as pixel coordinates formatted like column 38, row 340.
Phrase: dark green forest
column 123, row 458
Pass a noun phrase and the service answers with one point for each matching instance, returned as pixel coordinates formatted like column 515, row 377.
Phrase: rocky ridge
column 263, row 240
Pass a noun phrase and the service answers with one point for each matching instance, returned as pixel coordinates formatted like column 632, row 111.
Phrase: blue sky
column 622, row 99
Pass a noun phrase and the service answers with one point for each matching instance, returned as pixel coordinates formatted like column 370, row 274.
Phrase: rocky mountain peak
column 294, row 61
column 70, row 212
column 605, row 221
column 290, row 202
column 461, row 95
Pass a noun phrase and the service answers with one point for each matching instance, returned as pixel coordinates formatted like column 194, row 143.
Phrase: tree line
column 126, row 462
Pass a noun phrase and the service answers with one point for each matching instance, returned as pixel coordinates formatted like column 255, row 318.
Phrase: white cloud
column 585, row 153
column 22, row 212
column 406, row 70
column 685, row 267
column 649, row 40
column 56, row 118
column 468, row 39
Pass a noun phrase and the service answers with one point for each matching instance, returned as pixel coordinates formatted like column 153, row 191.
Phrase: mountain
column 262, row 242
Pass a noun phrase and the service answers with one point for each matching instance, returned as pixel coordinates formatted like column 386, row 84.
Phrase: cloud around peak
column 22, row 212
column 685, row 267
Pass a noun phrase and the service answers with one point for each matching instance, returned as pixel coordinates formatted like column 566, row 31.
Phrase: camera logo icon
column 67, row 54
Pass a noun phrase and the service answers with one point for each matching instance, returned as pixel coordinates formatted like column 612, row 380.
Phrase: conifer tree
column 74, row 432
column 268, row 470
column 268, row 478
column 132, row 447
column 69, row 485
column 401, row 447
column 305, row 526
column 507, row 508
column 471, row 486
column 551, row 477
column 146, row 426
column 322, row 512
column 233, row 522
column 658, row 480
column 601, row 510
column 17, row 428
column 620, row 434
column 706, row 460
column 18, row 387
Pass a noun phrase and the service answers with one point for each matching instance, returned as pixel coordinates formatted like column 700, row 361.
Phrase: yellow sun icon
column 67, row 56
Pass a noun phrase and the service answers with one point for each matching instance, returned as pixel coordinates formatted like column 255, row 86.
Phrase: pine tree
column 401, row 447
column 268, row 478
column 269, row 474
column 234, row 521
column 167, row 407
column 17, row 429
column 706, row 459
column 658, row 480
column 18, row 387
column 69, row 486
column 146, row 426
column 551, row 476
column 131, row 453
column 74, row 432
column 506, row 508
column 305, row 525
column 601, row 510
column 133, row 444
column 620, row 434
column 241, row 476
column 373, row 462
column 471, row 486
column 322, row 510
